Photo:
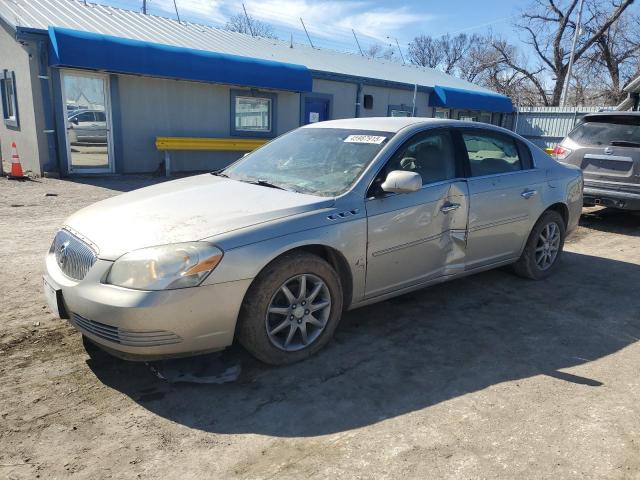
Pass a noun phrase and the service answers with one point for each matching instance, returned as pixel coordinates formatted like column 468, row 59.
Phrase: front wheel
column 544, row 247
column 291, row 310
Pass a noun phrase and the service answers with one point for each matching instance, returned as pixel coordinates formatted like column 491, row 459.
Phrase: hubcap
column 298, row 312
column 548, row 246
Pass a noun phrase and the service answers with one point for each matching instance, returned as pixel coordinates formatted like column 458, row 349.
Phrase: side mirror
column 75, row 121
column 399, row 181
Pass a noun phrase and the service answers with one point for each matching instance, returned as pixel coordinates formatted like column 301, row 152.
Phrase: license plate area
column 53, row 297
column 614, row 166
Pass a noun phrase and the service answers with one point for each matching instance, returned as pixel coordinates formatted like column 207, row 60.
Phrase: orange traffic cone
column 16, row 168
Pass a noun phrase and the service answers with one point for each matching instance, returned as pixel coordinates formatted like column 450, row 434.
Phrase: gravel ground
column 490, row 376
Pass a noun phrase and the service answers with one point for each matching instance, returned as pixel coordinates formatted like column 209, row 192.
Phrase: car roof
column 395, row 124
column 613, row 114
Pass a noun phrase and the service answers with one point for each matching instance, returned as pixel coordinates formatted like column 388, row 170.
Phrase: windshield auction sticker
column 365, row 139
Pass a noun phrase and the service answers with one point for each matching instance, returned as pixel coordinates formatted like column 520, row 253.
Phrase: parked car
column 87, row 126
column 326, row 218
column 606, row 146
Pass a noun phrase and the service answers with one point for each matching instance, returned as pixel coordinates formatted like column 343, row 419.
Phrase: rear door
column 414, row 237
column 505, row 195
column 607, row 149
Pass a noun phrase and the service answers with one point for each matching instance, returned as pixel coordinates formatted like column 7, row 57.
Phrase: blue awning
column 469, row 100
column 73, row 48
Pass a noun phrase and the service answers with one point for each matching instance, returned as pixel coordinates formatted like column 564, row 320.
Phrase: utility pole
column 305, row 31
column 246, row 15
column 567, row 80
column 357, row 42
column 144, row 7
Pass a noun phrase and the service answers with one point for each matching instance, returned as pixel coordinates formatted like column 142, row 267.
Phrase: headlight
column 166, row 267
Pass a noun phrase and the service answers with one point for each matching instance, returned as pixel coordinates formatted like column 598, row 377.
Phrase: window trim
column 272, row 97
column 526, row 161
column 403, row 107
column 14, row 120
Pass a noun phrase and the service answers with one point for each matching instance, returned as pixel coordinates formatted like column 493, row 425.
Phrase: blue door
column 316, row 109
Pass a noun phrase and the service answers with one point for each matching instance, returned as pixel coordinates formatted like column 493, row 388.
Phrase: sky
column 330, row 22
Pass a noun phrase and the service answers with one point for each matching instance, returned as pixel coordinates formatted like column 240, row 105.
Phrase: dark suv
column 606, row 146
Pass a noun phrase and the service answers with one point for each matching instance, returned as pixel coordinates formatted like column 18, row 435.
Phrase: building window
column 252, row 113
column 399, row 111
column 368, row 102
column 485, row 117
column 9, row 100
column 468, row 116
column 441, row 113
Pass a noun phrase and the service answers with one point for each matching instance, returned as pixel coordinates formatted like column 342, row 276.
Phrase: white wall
column 29, row 136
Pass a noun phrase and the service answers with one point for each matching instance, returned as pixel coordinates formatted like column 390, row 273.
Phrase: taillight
column 560, row 152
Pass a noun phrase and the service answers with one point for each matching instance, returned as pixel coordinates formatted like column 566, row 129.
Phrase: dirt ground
column 491, row 376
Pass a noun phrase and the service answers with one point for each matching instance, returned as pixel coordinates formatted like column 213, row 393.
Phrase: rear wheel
column 544, row 247
column 291, row 310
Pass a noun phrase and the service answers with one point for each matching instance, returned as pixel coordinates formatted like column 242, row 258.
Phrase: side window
column 430, row 154
column 491, row 153
column 100, row 117
column 9, row 100
column 85, row 117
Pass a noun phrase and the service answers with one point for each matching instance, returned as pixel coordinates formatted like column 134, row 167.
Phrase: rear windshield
column 607, row 129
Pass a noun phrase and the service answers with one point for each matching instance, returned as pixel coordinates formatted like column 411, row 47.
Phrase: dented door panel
column 416, row 236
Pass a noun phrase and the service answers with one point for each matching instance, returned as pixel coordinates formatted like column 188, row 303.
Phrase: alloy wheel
column 298, row 312
column 548, row 246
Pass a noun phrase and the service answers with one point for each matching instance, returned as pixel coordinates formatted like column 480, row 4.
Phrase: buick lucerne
column 274, row 248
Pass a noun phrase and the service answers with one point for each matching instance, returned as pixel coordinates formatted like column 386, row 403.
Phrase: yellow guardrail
column 209, row 144
column 167, row 144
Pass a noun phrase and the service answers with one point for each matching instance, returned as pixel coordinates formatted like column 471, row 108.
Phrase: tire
column 528, row 266
column 266, row 296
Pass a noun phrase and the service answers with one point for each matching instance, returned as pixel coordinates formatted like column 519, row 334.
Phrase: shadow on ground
column 417, row 350
column 612, row 220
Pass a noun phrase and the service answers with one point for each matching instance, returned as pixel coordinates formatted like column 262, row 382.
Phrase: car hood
column 188, row 209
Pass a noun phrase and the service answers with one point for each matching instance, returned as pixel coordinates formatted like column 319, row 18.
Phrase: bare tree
column 549, row 28
column 615, row 60
column 444, row 53
column 425, row 51
column 249, row 25
column 376, row 50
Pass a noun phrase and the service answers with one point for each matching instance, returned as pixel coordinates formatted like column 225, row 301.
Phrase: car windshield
column 603, row 131
column 319, row 161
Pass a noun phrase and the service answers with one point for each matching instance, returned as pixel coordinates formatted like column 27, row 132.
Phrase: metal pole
column 567, row 80
column 415, row 92
column 400, row 50
column 248, row 20
column 175, row 5
column 305, row 31
column 144, row 7
column 357, row 42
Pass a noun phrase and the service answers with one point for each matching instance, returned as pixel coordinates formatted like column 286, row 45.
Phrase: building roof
column 90, row 17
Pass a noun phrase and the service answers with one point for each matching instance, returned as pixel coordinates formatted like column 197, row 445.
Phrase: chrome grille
column 73, row 256
column 146, row 338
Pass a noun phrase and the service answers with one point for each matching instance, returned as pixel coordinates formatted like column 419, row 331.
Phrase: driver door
column 418, row 236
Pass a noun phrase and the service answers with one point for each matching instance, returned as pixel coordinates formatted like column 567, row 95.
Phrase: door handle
column 528, row 194
column 449, row 207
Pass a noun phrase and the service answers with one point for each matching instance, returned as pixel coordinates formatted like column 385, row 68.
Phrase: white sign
column 365, row 139
column 314, row 117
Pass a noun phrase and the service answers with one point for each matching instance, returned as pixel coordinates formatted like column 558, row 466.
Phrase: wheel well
column 337, row 261
column 563, row 210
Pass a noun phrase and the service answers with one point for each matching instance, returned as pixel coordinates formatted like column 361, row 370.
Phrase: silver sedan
column 329, row 217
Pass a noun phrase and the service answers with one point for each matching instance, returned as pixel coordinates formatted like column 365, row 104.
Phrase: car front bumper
column 610, row 197
column 147, row 325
